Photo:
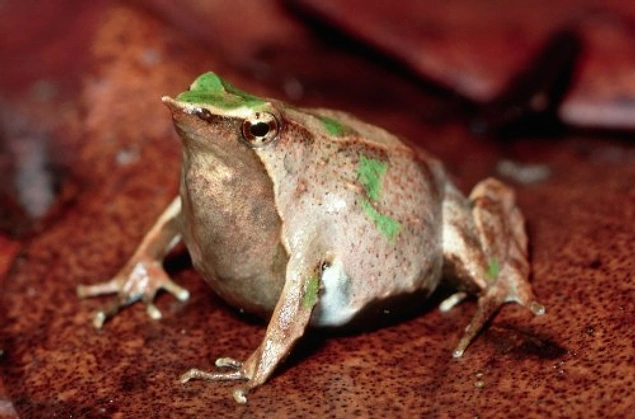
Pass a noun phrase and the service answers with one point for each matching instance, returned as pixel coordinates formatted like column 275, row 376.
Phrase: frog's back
column 365, row 132
column 370, row 201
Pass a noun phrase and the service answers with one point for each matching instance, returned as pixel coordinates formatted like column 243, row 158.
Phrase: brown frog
column 310, row 215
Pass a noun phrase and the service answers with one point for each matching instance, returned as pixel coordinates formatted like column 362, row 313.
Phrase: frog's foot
column 503, row 239
column 508, row 288
column 489, row 251
column 236, row 372
column 140, row 279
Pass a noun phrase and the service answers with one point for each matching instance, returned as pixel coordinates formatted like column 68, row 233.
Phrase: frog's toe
column 226, row 362
column 141, row 279
column 196, row 374
column 236, row 372
column 176, row 290
column 104, row 314
column 240, row 395
column 452, row 301
column 108, row 287
column 510, row 287
column 153, row 311
column 513, row 287
column 488, row 303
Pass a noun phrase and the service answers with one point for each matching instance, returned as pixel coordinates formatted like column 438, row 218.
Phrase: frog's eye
column 260, row 129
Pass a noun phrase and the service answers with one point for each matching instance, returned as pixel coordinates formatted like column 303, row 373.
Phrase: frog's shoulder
column 339, row 126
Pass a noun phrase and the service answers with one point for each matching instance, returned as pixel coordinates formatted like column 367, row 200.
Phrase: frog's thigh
column 499, row 222
column 496, row 259
column 502, row 232
column 462, row 251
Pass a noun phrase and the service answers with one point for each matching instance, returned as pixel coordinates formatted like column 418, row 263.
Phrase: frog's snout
column 177, row 109
column 170, row 103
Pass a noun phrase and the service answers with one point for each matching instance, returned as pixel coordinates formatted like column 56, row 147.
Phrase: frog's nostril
column 203, row 114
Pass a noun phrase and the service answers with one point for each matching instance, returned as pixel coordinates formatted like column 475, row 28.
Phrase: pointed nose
column 172, row 104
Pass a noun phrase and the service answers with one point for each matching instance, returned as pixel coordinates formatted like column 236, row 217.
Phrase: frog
column 306, row 216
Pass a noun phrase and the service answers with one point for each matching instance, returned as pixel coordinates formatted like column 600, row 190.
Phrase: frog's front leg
column 288, row 322
column 487, row 247
column 143, row 275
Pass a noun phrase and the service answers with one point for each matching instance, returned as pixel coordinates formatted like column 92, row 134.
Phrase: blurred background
column 540, row 94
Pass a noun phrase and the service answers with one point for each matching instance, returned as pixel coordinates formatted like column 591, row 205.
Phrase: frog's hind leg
column 489, row 251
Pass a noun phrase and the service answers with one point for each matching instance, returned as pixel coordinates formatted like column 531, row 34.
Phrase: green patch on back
column 311, row 292
column 386, row 225
column 493, row 269
column 333, row 127
column 210, row 89
column 370, row 173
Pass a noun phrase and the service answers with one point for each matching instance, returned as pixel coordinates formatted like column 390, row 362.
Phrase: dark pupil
column 259, row 129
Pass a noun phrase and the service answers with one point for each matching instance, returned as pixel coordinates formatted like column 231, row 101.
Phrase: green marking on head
column 333, row 126
column 369, row 174
column 209, row 89
column 311, row 292
column 493, row 269
column 386, row 225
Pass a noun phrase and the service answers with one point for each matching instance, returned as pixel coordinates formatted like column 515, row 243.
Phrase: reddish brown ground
column 88, row 159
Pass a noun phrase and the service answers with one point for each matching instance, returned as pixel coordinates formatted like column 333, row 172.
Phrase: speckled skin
column 314, row 215
column 318, row 195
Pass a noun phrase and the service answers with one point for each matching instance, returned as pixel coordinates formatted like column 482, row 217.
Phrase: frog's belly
column 343, row 297
column 334, row 308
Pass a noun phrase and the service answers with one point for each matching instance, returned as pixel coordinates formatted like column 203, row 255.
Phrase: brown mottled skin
column 282, row 221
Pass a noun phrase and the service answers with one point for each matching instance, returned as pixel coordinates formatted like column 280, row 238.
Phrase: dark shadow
column 529, row 104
